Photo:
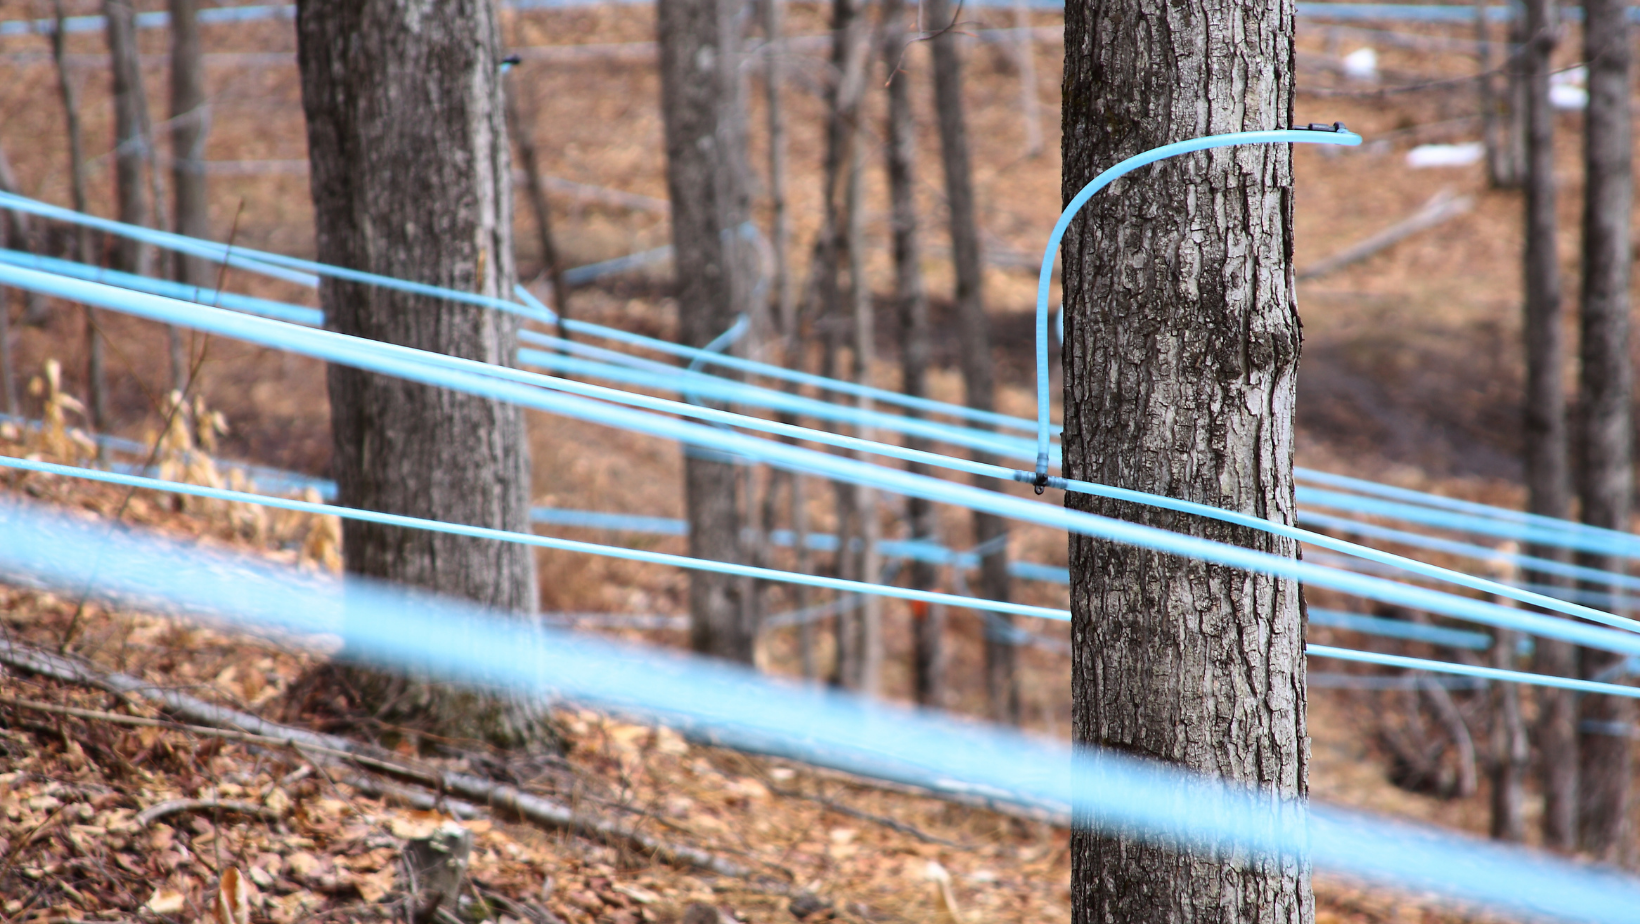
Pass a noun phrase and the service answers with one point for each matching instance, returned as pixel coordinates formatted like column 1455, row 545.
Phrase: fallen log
column 1442, row 207
column 505, row 800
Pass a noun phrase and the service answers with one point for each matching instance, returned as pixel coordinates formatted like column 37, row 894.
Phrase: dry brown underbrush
column 92, row 827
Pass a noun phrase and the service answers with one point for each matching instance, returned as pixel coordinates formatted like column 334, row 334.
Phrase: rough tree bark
column 8, row 375
column 521, row 126
column 1181, row 355
column 865, row 621
column 95, row 376
column 911, row 304
column 774, row 70
column 36, row 310
column 1030, row 103
column 1510, row 748
column 15, row 235
column 705, row 154
column 131, row 154
column 785, row 314
column 190, row 122
column 1001, row 655
column 824, row 293
column 130, row 151
column 1547, row 483
column 410, row 178
column 1605, row 755
column 1500, row 115
column 83, row 247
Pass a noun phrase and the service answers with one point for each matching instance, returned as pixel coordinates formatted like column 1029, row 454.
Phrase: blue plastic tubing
column 116, row 297
column 306, row 272
column 728, row 389
column 822, row 727
column 1480, row 518
column 479, row 379
column 269, row 264
column 1355, row 622
column 632, row 370
column 1463, row 515
column 545, row 542
column 1538, row 530
column 1045, row 280
column 1470, row 670
column 1352, row 621
column 723, row 389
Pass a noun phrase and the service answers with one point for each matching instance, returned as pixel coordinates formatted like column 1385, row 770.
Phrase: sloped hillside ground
column 1411, row 375
column 112, row 808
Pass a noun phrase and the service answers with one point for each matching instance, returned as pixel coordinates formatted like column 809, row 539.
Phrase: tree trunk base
column 399, row 707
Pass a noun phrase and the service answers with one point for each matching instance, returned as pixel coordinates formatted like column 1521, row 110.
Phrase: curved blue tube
column 1335, row 134
column 493, row 382
column 482, row 378
column 1159, row 802
column 729, row 390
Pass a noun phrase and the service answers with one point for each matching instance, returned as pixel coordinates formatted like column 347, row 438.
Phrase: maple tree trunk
column 774, row 15
column 865, row 620
column 521, row 127
column 990, row 531
column 1500, row 115
column 1181, row 357
column 190, row 120
column 1510, row 748
column 705, row 154
column 1605, row 752
column 14, row 232
column 823, row 299
column 410, row 178
column 1547, row 483
column 130, row 151
column 18, row 231
column 911, row 298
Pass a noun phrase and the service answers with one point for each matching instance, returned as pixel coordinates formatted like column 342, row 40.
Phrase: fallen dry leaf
column 232, row 905
column 637, row 893
column 374, row 886
column 166, row 901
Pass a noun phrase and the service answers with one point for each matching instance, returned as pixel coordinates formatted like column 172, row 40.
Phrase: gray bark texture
column 1510, row 748
column 705, row 157
column 14, row 234
column 131, row 146
column 1180, row 357
column 774, row 71
column 96, row 377
column 911, row 307
column 824, row 297
column 410, row 178
column 1001, row 655
column 785, row 315
column 190, row 122
column 1548, row 484
column 8, row 375
column 864, row 623
column 1500, row 113
column 1606, row 763
column 17, row 229
column 521, row 126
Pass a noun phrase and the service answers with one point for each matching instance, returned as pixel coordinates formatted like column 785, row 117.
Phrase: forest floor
column 112, row 808
column 1411, row 375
